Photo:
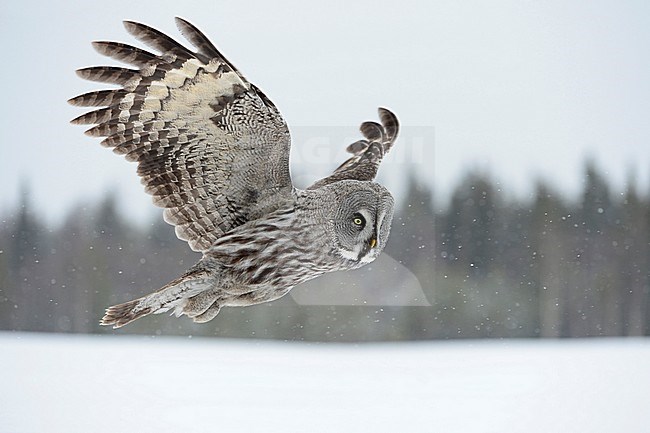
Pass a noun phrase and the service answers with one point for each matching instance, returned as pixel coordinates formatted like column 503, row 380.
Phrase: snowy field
column 69, row 384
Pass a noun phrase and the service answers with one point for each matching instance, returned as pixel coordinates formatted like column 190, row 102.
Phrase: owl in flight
column 213, row 151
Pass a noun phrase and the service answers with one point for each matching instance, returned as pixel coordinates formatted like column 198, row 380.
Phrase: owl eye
column 359, row 220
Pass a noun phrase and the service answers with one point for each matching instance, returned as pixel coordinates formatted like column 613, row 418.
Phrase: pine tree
column 26, row 292
column 549, row 254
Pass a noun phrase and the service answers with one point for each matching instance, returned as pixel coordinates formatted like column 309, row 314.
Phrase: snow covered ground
column 62, row 383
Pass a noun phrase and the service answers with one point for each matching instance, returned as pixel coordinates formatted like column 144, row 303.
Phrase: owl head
column 361, row 220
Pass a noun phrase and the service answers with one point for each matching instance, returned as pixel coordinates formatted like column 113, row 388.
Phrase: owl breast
column 277, row 251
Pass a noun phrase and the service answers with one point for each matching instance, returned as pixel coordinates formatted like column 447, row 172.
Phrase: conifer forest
column 483, row 264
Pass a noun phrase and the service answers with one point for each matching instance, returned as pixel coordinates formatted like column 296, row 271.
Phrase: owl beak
column 373, row 242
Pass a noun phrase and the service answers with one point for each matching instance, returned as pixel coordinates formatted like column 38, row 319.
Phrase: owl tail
column 121, row 314
column 172, row 295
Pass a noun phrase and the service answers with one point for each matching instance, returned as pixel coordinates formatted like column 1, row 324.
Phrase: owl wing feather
column 211, row 148
column 367, row 153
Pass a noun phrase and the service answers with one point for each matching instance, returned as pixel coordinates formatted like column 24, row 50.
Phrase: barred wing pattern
column 367, row 153
column 211, row 148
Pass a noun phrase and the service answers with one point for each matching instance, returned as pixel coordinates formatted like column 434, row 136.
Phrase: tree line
column 483, row 265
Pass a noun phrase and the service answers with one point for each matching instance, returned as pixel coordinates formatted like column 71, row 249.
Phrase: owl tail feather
column 122, row 314
column 173, row 295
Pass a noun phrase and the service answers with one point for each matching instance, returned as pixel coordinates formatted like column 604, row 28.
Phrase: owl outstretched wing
column 367, row 153
column 211, row 148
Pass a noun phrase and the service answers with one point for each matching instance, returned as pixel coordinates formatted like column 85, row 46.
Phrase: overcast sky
column 522, row 90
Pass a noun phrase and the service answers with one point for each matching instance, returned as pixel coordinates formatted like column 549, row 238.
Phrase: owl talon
column 209, row 314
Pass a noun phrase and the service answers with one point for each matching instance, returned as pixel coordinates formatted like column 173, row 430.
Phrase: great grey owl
column 213, row 151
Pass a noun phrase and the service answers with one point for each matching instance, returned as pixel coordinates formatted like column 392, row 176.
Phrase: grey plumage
column 213, row 151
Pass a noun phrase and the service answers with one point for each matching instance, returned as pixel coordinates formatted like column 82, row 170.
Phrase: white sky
column 520, row 89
